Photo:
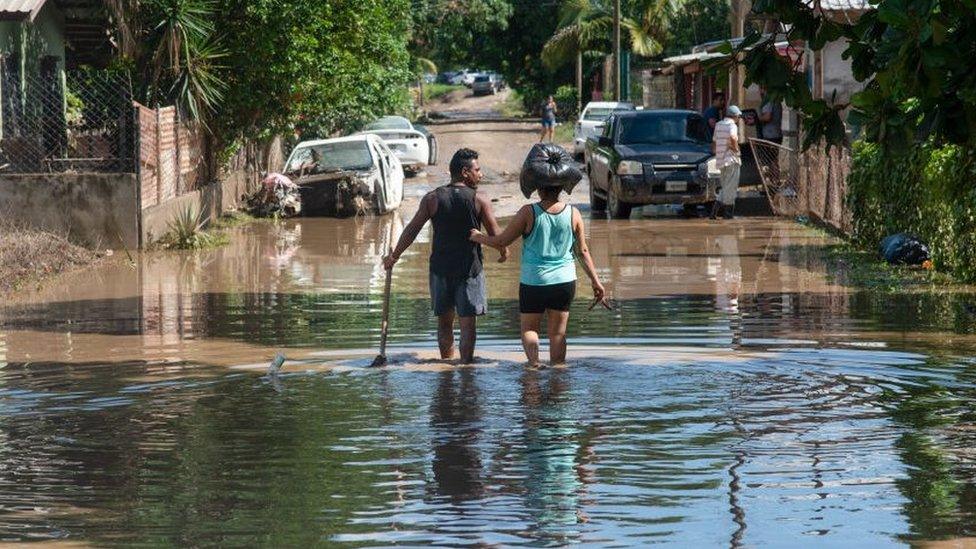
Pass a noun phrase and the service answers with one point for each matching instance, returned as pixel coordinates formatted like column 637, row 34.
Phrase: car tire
column 617, row 208
column 689, row 211
column 597, row 204
column 432, row 154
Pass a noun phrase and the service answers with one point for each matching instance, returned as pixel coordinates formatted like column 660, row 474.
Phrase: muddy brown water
column 739, row 396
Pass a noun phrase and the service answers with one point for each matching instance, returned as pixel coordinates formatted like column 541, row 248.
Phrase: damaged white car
column 413, row 145
column 346, row 176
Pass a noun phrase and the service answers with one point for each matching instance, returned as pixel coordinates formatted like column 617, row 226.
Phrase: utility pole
column 616, row 50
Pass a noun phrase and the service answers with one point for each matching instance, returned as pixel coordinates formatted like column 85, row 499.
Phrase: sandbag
column 904, row 248
column 548, row 165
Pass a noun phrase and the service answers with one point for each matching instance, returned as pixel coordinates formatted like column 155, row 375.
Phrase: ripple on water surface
column 780, row 445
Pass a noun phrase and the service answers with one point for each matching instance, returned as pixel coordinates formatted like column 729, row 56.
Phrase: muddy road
column 743, row 394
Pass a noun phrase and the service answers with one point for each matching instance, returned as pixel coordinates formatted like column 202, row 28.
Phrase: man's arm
column 766, row 114
column 514, row 230
column 734, row 140
column 426, row 210
column 491, row 224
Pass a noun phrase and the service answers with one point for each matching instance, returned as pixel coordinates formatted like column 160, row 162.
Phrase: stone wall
column 96, row 210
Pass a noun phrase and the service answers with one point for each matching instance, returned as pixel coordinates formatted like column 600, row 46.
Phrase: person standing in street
column 771, row 117
column 728, row 159
column 713, row 114
column 553, row 235
column 549, row 111
column 457, row 278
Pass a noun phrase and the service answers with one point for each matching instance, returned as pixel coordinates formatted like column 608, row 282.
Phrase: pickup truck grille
column 671, row 167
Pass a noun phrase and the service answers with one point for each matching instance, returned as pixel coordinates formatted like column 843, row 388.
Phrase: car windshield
column 326, row 157
column 482, row 79
column 390, row 123
column 663, row 128
column 599, row 114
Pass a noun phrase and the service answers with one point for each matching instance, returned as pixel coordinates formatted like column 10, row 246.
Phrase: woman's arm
column 599, row 292
column 514, row 230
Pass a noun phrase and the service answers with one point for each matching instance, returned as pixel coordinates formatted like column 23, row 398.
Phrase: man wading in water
column 457, row 279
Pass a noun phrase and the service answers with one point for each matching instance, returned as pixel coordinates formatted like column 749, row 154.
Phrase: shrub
column 186, row 232
column 565, row 97
column 928, row 191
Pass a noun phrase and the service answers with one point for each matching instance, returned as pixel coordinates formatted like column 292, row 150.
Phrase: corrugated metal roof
column 841, row 5
column 692, row 57
column 20, row 9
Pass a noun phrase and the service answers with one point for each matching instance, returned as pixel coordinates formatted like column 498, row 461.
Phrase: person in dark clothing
column 457, row 278
column 714, row 113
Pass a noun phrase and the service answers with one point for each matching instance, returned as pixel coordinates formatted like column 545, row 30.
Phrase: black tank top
column 451, row 253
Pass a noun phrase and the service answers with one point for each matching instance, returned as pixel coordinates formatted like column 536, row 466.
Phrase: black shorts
column 466, row 296
column 555, row 297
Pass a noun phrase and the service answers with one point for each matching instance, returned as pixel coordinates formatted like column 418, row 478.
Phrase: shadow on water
column 798, row 413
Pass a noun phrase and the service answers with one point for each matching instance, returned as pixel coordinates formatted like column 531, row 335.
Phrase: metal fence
column 79, row 121
column 811, row 183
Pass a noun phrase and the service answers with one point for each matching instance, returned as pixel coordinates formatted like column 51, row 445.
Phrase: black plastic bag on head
column 548, row 165
column 905, row 249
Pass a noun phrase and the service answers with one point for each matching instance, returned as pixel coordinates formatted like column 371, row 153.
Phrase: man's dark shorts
column 467, row 296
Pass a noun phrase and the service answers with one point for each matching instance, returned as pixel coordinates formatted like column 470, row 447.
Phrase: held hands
column 389, row 261
column 479, row 237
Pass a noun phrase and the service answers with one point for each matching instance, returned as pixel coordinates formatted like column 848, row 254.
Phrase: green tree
column 587, row 25
column 915, row 58
column 457, row 32
column 696, row 22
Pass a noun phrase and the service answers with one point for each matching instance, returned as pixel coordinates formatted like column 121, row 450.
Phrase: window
column 326, row 157
column 663, row 128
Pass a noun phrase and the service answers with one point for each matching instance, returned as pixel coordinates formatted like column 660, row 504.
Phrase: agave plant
column 186, row 232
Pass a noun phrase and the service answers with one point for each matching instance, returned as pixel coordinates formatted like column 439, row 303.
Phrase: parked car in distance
column 484, row 84
column 346, row 175
column 499, row 81
column 594, row 114
column 412, row 147
column 445, row 77
column 651, row 157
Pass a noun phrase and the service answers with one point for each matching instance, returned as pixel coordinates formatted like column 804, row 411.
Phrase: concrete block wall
column 96, row 210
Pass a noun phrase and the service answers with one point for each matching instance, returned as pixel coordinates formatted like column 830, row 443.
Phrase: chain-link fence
column 812, row 183
column 79, row 121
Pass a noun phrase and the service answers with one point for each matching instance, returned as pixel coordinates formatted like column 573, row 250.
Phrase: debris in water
column 276, row 364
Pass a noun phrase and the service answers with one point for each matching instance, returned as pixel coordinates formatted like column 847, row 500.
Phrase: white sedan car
column 321, row 167
column 413, row 147
column 591, row 121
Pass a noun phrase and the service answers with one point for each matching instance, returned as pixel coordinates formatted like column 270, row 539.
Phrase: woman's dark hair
column 549, row 193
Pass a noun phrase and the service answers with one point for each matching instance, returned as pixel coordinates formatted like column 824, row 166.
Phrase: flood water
column 740, row 395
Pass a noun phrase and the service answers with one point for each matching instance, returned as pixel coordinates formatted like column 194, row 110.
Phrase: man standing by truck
column 457, row 278
column 728, row 159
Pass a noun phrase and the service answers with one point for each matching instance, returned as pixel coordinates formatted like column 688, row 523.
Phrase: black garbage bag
column 548, row 165
column 905, row 249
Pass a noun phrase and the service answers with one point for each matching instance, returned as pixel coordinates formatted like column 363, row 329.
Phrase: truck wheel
column 618, row 208
column 597, row 204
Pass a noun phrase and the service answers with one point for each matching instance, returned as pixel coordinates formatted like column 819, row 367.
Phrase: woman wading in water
column 549, row 229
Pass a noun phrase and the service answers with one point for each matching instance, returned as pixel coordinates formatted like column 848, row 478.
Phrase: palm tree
column 422, row 65
column 584, row 25
column 171, row 45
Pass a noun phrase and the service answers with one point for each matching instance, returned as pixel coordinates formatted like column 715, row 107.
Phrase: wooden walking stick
column 380, row 359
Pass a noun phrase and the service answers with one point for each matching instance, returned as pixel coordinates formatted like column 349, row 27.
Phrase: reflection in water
column 455, row 422
column 802, row 412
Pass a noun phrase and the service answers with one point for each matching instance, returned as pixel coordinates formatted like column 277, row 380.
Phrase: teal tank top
column 547, row 251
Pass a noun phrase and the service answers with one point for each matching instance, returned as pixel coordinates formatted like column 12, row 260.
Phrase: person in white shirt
column 728, row 159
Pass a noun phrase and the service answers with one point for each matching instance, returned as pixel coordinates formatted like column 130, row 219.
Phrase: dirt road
column 503, row 145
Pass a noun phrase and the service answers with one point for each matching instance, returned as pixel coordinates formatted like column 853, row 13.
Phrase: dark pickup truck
column 650, row 157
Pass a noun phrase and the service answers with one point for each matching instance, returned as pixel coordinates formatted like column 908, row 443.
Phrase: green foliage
column 457, row 32
column 436, row 91
column 914, row 56
column 186, row 232
column 927, row 191
column 323, row 67
column 696, row 22
column 565, row 97
column 175, row 55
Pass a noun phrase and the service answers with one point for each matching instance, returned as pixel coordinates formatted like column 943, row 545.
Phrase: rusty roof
column 20, row 10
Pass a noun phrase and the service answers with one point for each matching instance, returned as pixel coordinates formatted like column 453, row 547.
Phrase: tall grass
column 186, row 232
